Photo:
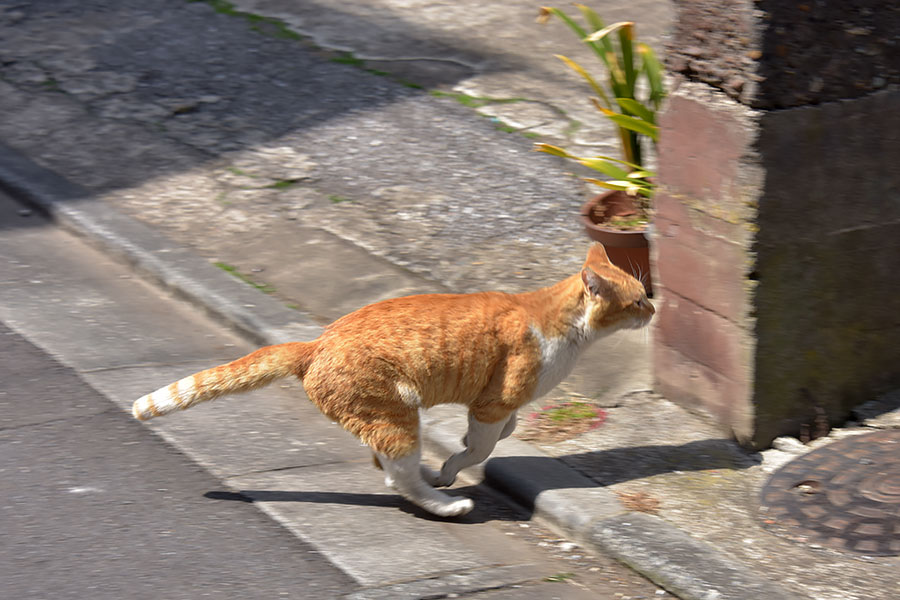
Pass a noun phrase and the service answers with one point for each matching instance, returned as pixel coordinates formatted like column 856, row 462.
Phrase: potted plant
column 630, row 97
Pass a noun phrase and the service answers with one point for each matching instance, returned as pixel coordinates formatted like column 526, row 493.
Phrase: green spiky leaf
column 626, row 35
column 636, row 125
column 654, row 71
column 601, row 47
column 633, row 107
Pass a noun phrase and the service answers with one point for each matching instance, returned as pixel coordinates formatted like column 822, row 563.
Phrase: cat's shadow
column 539, row 473
column 484, row 511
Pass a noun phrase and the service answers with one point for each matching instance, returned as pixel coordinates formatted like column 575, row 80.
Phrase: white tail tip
column 164, row 400
column 140, row 410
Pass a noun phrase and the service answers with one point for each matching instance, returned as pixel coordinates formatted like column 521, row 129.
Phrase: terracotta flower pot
column 627, row 249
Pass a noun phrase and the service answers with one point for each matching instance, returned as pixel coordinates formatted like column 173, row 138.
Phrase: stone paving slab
column 644, row 543
column 480, row 49
column 306, row 279
column 328, row 505
column 492, row 583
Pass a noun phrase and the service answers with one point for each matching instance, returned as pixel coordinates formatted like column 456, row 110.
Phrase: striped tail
column 255, row 370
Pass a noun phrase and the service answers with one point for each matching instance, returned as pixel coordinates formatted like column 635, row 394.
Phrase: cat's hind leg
column 479, row 440
column 389, row 424
column 404, row 475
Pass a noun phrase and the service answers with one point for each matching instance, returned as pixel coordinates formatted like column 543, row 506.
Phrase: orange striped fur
column 372, row 370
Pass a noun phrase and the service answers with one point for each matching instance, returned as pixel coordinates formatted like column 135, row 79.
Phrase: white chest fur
column 558, row 356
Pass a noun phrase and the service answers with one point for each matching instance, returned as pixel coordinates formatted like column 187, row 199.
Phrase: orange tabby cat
column 372, row 370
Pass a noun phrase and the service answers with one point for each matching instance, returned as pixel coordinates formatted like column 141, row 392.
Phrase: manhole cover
column 845, row 495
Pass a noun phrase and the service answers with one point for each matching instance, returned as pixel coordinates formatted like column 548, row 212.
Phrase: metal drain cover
column 845, row 495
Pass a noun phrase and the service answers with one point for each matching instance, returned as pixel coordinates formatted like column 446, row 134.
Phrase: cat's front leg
column 479, row 440
column 508, row 428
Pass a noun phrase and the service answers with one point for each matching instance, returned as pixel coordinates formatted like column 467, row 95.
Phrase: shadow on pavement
column 170, row 86
column 484, row 511
column 616, row 465
column 607, row 467
column 601, row 468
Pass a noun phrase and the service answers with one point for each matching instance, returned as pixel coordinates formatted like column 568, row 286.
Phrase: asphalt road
column 93, row 505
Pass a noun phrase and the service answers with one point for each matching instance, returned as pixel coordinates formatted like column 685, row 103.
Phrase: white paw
column 452, row 509
column 389, row 481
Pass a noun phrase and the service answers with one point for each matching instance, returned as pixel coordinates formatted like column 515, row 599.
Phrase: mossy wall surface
column 828, row 262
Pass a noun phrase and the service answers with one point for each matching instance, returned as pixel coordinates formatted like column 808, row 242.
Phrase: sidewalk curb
column 564, row 498
column 254, row 315
column 573, row 504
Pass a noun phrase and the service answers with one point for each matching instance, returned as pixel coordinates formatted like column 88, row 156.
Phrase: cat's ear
column 597, row 255
column 595, row 285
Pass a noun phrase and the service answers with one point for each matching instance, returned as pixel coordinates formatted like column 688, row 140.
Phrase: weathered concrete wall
column 828, row 260
column 705, row 222
column 778, row 215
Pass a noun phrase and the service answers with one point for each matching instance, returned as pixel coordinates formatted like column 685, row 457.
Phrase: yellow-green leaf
column 596, row 23
column 592, row 18
column 637, row 109
column 605, row 167
column 587, row 76
column 610, row 185
column 626, row 35
column 636, row 125
column 654, row 72
column 616, row 76
column 554, row 150
column 599, row 35
column 621, row 162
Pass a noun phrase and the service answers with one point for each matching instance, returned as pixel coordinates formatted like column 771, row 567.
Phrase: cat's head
column 613, row 298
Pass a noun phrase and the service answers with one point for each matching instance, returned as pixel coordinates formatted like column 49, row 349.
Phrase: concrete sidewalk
column 334, row 186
